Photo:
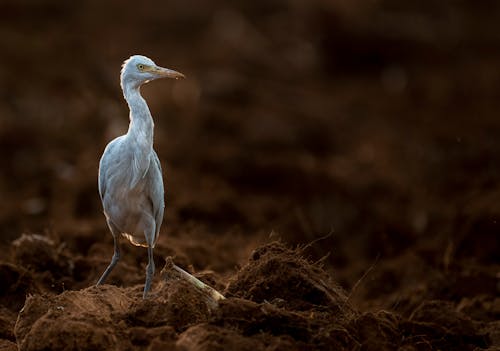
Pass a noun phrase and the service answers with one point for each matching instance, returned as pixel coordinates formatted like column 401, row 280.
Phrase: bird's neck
column 141, row 127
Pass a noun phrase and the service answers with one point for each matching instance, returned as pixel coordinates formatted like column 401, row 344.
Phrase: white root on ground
column 212, row 295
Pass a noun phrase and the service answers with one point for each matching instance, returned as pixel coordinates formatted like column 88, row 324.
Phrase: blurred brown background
column 373, row 121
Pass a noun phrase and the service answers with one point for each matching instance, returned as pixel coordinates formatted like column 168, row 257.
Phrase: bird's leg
column 116, row 255
column 150, row 271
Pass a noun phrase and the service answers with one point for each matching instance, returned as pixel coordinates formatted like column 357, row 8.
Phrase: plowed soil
column 332, row 168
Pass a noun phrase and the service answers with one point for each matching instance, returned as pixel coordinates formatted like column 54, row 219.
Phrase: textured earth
column 332, row 168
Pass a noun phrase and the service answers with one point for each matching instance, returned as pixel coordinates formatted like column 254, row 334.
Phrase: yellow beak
column 167, row 73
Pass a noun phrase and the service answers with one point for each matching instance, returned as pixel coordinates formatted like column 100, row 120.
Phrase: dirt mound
column 441, row 325
column 210, row 337
column 17, row 282
column 109, row 317
column 6, row 345
column 74, row 320
column 284, row 302
column 266, row 322
column 273, row 267
column 176, row 303
column 176, row 312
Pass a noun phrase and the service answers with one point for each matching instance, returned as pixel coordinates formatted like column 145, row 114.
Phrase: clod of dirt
column 203, row 337
column 443, row 314
column 6, row 345
column 39, row 253
column 176, row 302
column 7, row 322
column 438, row 323
column 283, row 296
column 74, row 320
column 277, row 273
column 377, row 331
column 108, row 317
column 252, row 318
column 157, row 338
column 493, row 331
column 16, row 282
column 482, row 307
column 319, row 328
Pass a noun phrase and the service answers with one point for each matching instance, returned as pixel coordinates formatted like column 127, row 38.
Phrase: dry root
column 171, row 270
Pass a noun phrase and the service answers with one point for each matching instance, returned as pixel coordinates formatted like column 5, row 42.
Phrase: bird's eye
column 140, row 67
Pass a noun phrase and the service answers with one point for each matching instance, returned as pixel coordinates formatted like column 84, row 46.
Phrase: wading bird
column 130, row 176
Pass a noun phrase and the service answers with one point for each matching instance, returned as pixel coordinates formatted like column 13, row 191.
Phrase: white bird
column 130, row 175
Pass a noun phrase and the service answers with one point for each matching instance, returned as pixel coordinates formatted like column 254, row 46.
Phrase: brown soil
column 333, row 168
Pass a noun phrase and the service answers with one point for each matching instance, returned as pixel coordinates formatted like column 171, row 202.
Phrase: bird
column 130, row 175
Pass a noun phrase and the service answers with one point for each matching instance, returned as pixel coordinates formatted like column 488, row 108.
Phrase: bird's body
column 130, row 175
column 133, row 201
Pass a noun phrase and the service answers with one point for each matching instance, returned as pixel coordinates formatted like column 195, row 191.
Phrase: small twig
column 363, row 277
column 330, row 233
column 322, row 259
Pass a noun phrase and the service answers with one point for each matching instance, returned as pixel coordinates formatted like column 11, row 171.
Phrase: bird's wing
column 103, row 167
column 139, row 169
column 101, row 184
column 156, row 191
column 108, row 158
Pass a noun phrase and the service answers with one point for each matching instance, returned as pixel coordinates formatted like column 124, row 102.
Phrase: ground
column 331, row 168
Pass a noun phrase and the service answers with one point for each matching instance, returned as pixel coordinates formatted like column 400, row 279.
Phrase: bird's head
column 138, row 70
